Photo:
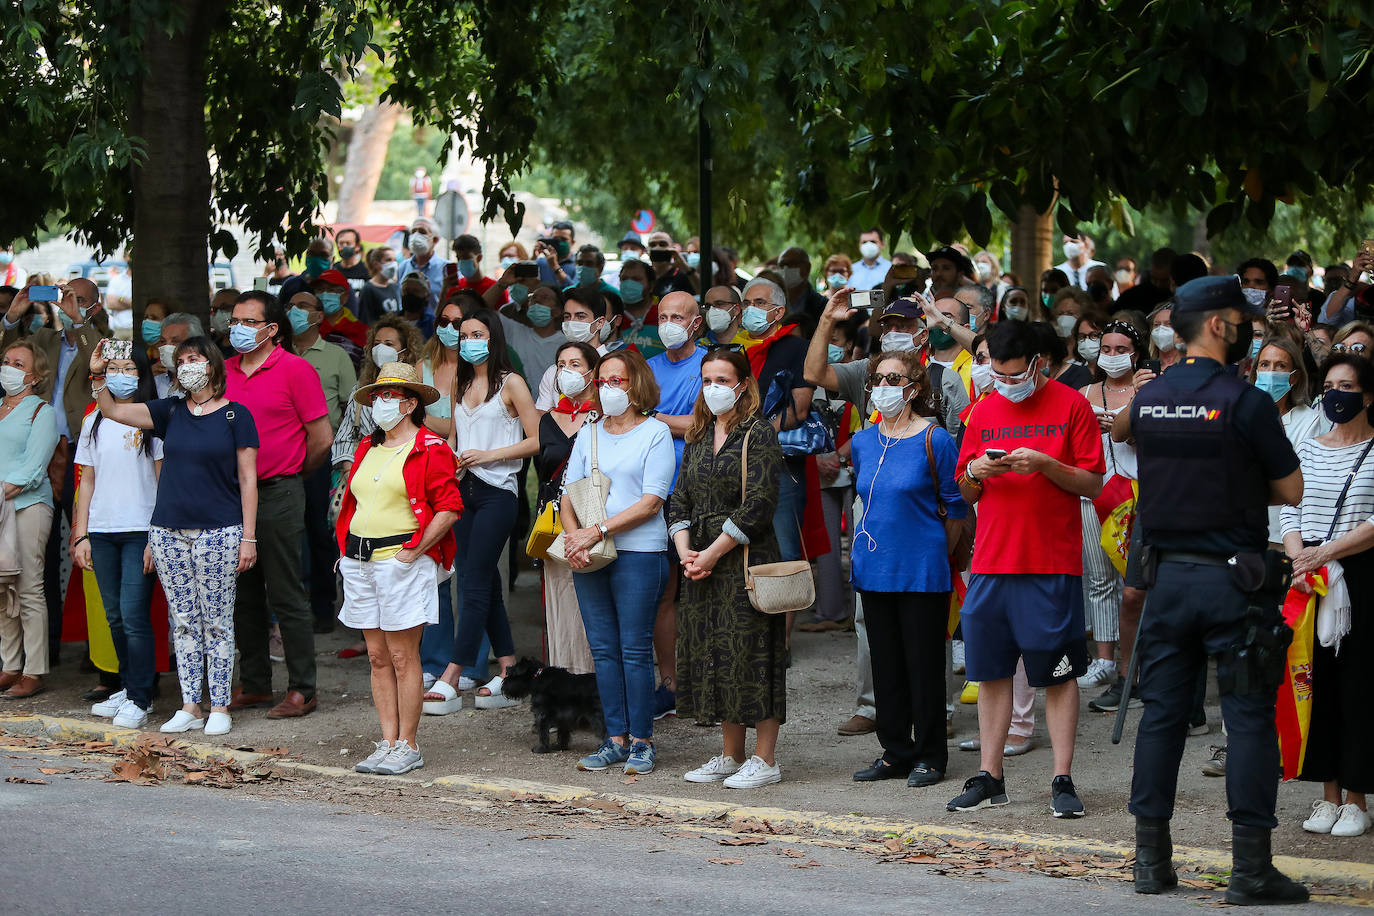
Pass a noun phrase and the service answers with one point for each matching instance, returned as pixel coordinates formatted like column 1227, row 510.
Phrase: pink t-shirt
column 283, row 395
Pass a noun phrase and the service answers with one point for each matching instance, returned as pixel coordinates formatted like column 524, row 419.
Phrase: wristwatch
column 605, row 532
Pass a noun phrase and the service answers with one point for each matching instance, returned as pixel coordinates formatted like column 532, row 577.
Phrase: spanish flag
column 1293, row 711
column 1115, row 508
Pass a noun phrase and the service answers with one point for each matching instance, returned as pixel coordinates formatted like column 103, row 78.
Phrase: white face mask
column 1064, row 325
column 889, row 400
column 1089, row 349
column 1123, row 277
column 386, row 412
column 1115, row 365
column 673, row 335
column 614, row 401
column 571, row 382
column 577, row 331
column 420, row 245
column 12, row 379
column 193, row 376
column 897, row 342
column 1016, row 312
column 165, row 354
column 869, row 250
column 717, row 319
column 719, row 398
column 383, row 354
column 792, row 277
column 981, row 376
column 1255, row 297
column 1072, row 250
column 1016, row 392
column 1163, row 336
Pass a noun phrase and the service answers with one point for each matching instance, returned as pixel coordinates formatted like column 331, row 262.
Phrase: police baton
column 1130, row 680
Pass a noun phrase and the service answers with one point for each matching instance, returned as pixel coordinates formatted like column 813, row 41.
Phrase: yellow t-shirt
column 380, row 489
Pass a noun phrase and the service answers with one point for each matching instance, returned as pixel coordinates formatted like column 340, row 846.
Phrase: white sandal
column 450, row 703
column 497, row 699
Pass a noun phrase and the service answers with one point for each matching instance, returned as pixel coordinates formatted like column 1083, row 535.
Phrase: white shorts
column 389, row 594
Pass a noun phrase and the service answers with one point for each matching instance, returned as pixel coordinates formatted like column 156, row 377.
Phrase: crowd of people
column 364, row 431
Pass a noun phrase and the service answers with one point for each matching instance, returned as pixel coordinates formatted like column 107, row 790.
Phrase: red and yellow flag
column 1116, row 509
column 1293, row 710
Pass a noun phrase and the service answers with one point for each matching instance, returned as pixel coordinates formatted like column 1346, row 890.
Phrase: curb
column 1328, row 873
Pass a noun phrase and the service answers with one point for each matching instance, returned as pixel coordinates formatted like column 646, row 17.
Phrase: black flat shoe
column 97, row 694
column 881, row 769
column 923, row 775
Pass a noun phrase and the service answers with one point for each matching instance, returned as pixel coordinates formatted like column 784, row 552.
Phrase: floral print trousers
column 199, row 572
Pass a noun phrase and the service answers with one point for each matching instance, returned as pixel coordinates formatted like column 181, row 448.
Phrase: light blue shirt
column 64, row 362
column 433, row 271
column 861, row 276
column 27, row 442
column 679, row 383
column 638, row 462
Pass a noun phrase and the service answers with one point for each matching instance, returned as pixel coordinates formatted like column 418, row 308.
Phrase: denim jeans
column 127, row 594
column 787, row 521
column 482, row 530
column 436, row 642
column 619, row 605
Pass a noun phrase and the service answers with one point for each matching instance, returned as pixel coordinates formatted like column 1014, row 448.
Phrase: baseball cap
column 906, row 307
column 1208, row 294
column 330, row 277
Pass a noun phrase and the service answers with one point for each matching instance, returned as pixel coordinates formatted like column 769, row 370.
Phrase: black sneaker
column 981, row 791
column 1110, row 700
column 1065, row 801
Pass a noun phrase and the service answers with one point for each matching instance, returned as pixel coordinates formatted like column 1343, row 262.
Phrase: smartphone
column 526, row 269
column 903, row 272
column 871, row 299
column 43, row 294
column 1283, row 297
column 660, row 255
column 118, row 349
column 1151, row 364
column 996, row 454
column 260, row 283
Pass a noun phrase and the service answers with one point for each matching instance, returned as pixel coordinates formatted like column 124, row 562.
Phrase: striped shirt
column 1324, row 472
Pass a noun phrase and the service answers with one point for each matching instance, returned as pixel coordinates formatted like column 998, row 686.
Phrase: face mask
column 1016, row 312
column 1045, row 299
column 571, row 382
column 539, row 315
column 792, row 277
column 973, row 322
column 1064, row 325
column 316, row 264
column 889, row 400
column 389, row 271
column 152, row 330
column 414, row 303
column 1340, row 406
column 693, row 259
column 519, row 293
column 718, row 319
column 835, row 281
column 12, row 379
column 243, row 338
column 673, row 335
column 1255, row 343
column 1163, row 337
column 122, row 386
column 420, row 245
column 386, row 412
column 869, row 250
column 219, row 321
column 474, row 351
column 630, row 255
column 6, row 258
column 165, row 355
column 1238, row 348
column 1072, row 250
column 383, row 354
column 1115, row 365
column 1016, row 392
column 448, row 336
column 756, row 320
column 1255, row 297
column 981, row 376
column 614, row 401
column 631, row 291
column 984, row 270
column 940, row 339
column 607, row 329
column 35, row 323
column 1275, row 384
column 299, row 318
column 587, row 276
column 1123, row 277
column 1088, row 349
column 1099, row 291
column 897, row 342
column 193, row 376
column 332, row 303
column 1297, row 273
column 507, row 263
column 468, row 268
column 719, row 398
column 346, row 252
column 562, row 246
column 577, row 331
column 834, row 354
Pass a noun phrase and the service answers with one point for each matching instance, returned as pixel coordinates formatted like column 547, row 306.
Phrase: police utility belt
column 1263, row 572
column 356, row 548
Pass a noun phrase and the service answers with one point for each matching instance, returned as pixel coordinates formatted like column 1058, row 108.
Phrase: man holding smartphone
column 1339, row 307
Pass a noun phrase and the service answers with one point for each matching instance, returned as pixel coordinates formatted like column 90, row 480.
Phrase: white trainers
column 716, row 769
column 1352, row 822
column 183, row 721
column 218, row 723
column 402, row 758
column 108, row 708
column 370, row 764
column 1101, row 672
column 1324, row 817
column 957, row 654
column 753, row 774
column 130, row 716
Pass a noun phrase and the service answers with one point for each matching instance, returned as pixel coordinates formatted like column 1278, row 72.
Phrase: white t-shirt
column 639, row 462
column 125, row 481
column 536, row 353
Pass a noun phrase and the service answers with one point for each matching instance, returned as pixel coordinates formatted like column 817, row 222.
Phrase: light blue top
column 637, row 462
column 861, row 276
column 679, row 384
column 27, row 441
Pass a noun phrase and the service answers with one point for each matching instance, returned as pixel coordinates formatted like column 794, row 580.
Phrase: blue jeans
column 619, row 605
column 436, row 642
column 787, row 520
column 127, row 594
column 482, row 531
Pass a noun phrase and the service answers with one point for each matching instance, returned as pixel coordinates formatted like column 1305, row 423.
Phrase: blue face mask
column 122, row 386
column 475, row 351
column 152, row 331
column 518, row 293
column 448, row 336
column 1297, row 273
column 631, row 292
column 755, row 320
column 835, row 281
column 332, row 303
column 64, row 318
column 243, row 338
column 587, row 275
column 972, row 322
column 468, row 268
column 299, row 318
column 507, row 263
column 1275, row 384
column 316, row 265
column 35, row 323
column 834, row 354
column 1255, row 346
column 693, row 259
column 539, row 315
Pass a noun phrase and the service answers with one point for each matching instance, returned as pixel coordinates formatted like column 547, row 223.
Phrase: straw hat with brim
column 398, row 375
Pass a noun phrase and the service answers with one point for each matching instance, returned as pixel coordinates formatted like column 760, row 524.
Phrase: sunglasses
column 887, row 378
column 1348, row 348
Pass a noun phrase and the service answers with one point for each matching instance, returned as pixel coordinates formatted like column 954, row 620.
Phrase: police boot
column 1254, row 879
column 1154, row 854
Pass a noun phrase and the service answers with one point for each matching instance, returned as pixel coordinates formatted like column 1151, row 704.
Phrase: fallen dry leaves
column 27, row 781
column 726, row 861
column 154, row 758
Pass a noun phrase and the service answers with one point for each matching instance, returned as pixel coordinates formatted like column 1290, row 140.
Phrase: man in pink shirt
column 284, row 395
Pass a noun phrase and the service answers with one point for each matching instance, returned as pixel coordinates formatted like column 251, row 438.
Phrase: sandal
column 494, row 698
column 446, row 700
column 353, row 651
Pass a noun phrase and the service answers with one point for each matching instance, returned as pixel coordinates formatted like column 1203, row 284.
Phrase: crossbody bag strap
column 743, row 471
column 940, row 509
column 1336, row 513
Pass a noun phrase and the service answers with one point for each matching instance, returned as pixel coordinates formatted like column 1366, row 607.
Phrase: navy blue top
column 199, row 484
column 899, row 542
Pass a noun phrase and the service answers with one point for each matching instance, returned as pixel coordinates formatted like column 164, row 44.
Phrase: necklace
column 1106, row 387
column 200, row 405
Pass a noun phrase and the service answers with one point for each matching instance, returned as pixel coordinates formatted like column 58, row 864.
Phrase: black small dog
column 560, row 701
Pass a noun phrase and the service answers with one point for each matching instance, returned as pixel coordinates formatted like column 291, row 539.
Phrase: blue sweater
column 27, row 442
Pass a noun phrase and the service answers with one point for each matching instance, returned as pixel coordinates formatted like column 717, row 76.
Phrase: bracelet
column 972, row 481
column 249, row 540
column 84, row 537
column 95, row 392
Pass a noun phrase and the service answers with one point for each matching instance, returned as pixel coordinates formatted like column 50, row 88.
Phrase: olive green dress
column 731, row 659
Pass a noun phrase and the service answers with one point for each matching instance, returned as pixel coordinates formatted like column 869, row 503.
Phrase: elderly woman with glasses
column 1355, row 338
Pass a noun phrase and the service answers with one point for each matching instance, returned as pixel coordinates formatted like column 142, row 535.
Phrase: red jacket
column 431, row 482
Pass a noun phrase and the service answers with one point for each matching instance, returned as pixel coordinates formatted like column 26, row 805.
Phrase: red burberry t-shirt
column 1026, row 523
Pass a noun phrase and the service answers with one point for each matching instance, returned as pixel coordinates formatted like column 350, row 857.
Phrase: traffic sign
column 451, row 214
column 643, row 221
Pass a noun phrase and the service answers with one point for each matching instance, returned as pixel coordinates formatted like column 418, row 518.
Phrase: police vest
column 1196, row 473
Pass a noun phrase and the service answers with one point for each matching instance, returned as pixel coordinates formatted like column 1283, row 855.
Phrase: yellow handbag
column 546, row 527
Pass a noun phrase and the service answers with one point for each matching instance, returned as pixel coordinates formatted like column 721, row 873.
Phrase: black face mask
column 1099, row 291
column 413, row 303
column 1238, row 349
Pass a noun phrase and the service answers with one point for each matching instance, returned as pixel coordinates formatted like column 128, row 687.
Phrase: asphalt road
column 94, row 847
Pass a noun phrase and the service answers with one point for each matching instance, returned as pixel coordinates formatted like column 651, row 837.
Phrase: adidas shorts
column 1038, row 618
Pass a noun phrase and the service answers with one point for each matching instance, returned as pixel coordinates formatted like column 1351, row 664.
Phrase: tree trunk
column 366, row 156
column 172, row 187
column 1031, row 246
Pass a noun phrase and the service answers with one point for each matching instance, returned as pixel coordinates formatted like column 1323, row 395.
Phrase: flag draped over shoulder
column 1115, row 508
column 1293, row 709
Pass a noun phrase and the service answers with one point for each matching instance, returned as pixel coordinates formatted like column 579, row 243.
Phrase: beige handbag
column 775, row 588
column 588, row 498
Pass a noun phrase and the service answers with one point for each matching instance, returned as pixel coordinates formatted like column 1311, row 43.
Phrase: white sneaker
column 466, row 683
column 716, row 769
column 183, row 721
column 427, row 681
column 130, row 716
column 957, row 652
column 1101, row 672
column 753, row 774
column 109, row 707
column 218, row 723
column 1352, row 822
column 1324, row 817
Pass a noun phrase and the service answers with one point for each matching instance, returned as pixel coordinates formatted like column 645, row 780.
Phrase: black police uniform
column 1207, row 445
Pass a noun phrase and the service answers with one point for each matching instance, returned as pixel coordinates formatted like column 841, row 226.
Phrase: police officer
column 1212, row 457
